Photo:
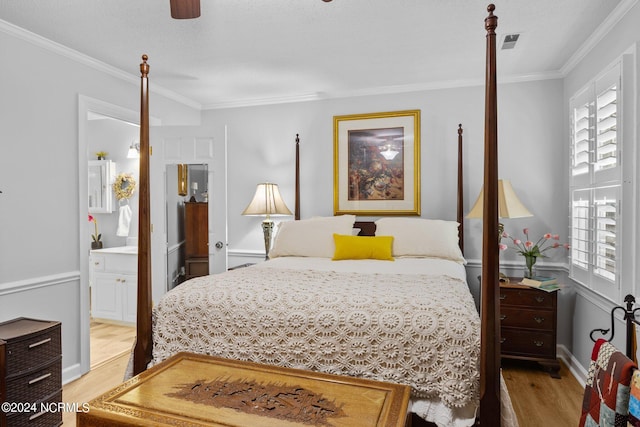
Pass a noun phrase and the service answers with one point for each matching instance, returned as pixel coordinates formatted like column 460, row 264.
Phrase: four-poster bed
column 487, row 384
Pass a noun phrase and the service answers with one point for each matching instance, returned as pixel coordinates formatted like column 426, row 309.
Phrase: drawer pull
column 538, row 319
column 538, row 343
column 40, row 378
column 503, row 296
column 39, row 343
column 502, row 340
column 539, row 298
column 38, row 415
column 502, row 317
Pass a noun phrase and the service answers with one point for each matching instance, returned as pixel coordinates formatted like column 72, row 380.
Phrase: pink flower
column 502, row 247
column 525, row 231
column 566, row 246
column 528, row 244
column 517, row 241
column 547, row 236
column 556, row 237
column 505, row 234
column 555, row 245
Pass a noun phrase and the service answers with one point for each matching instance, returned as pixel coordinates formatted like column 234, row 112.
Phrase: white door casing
column 185, row 144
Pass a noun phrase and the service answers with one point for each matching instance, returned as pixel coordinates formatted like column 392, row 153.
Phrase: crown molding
column 380, row 90
column 596, row 37
column 74, row 55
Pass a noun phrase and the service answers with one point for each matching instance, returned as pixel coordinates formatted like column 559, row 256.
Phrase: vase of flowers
column 532, row 251
column 96, row 243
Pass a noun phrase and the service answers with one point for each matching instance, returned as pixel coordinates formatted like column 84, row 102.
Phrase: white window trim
column 628, row 245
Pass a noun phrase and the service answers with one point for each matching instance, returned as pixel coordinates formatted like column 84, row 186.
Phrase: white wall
column 39, row 222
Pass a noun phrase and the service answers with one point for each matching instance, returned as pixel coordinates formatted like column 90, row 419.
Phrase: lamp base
column 267, row 229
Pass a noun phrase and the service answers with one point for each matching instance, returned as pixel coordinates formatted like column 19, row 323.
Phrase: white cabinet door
column 129, row 288
column 113, row 297
column 101, row 176
column 106, row 300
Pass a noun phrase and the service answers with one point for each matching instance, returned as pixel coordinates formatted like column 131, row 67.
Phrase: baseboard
column 576, row 369
column 71, row 373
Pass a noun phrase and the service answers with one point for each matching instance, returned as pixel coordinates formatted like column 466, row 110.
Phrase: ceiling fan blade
column 185, row 9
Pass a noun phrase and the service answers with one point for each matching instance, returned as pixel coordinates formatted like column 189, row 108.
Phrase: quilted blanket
column 606, row 397
column 416, row 329
column 634, row 401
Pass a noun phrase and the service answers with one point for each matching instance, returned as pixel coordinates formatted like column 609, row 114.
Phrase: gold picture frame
column 183, row 182
column 376, row 163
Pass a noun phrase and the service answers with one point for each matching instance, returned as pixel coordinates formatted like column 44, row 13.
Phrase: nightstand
column 31, row 370
column 528, row 325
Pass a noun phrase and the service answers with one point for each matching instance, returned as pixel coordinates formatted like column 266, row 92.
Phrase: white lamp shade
column 267, row 201
column 509, row 206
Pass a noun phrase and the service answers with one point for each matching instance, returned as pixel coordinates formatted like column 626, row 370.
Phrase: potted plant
column 532, row 251
column 96, row 242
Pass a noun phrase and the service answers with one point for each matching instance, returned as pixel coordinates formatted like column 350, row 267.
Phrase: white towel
column 124, row 221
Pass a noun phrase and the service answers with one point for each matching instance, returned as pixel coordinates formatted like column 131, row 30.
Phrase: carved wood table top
column 199, row 390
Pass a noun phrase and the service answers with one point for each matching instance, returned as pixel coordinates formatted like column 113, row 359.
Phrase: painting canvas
column 376, row 164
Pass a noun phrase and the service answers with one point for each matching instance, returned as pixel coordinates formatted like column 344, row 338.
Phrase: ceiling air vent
column 510, row 41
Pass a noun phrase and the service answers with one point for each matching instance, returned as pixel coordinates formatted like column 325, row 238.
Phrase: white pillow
column 420, row 237
column 310, row 237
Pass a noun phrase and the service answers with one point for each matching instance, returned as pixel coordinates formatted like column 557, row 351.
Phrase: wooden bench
column 199, row 390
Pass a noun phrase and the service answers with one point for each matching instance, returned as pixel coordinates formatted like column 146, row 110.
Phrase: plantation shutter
column 596, row 185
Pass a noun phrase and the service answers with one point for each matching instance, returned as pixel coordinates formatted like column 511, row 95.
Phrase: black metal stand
column 630, row 320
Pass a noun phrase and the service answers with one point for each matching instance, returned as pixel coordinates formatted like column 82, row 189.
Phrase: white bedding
column 430, row 266
column 410, row 321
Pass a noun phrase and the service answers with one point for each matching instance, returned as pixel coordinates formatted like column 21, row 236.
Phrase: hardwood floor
column 538, row 399
column 109, row 340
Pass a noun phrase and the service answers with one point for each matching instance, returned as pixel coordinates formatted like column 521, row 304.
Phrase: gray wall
column 590, row 310
column 40, row 216
column 40, row 221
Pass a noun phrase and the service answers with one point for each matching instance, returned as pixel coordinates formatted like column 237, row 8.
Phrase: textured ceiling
column 242, row 52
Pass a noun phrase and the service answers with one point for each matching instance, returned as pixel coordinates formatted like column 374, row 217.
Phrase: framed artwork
column 376, row 163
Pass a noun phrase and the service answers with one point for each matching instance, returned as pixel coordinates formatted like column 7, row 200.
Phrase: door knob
column 219, row 245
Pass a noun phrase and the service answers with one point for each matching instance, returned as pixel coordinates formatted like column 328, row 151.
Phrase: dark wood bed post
column 489, row 301
column 297, row 205
column 460, row 211
column 143, row 347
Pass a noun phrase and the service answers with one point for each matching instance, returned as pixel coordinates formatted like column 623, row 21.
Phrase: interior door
column 190, row 145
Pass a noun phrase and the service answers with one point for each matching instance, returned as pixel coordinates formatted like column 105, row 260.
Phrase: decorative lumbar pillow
column 310, row 237
column 418, row 237
column 362, row 247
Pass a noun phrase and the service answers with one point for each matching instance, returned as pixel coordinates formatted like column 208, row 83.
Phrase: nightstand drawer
column 32, row 351
column 37, row 418
column 525, row 297
column 527, row 343
column 31, row 386
column 542, row 320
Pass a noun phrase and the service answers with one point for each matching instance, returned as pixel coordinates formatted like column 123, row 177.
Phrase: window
column 596, row 184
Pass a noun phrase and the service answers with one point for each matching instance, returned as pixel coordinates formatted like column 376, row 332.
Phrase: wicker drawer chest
column 30, row 371
column 528, row 325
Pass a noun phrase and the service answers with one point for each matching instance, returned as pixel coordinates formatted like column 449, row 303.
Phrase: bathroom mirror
column 101, row 175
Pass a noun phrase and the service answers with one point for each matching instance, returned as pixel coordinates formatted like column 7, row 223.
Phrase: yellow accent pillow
column 362, row 247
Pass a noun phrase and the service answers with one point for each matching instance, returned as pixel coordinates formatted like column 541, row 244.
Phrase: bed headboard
column 367, row 228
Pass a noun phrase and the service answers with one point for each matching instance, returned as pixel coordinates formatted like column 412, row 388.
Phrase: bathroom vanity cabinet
column 114, row 283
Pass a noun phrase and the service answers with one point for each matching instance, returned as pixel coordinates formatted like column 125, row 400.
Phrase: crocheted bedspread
column 418, row 330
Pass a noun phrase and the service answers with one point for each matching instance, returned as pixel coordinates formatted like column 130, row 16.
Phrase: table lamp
column 267, row 202
column 509, row 205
